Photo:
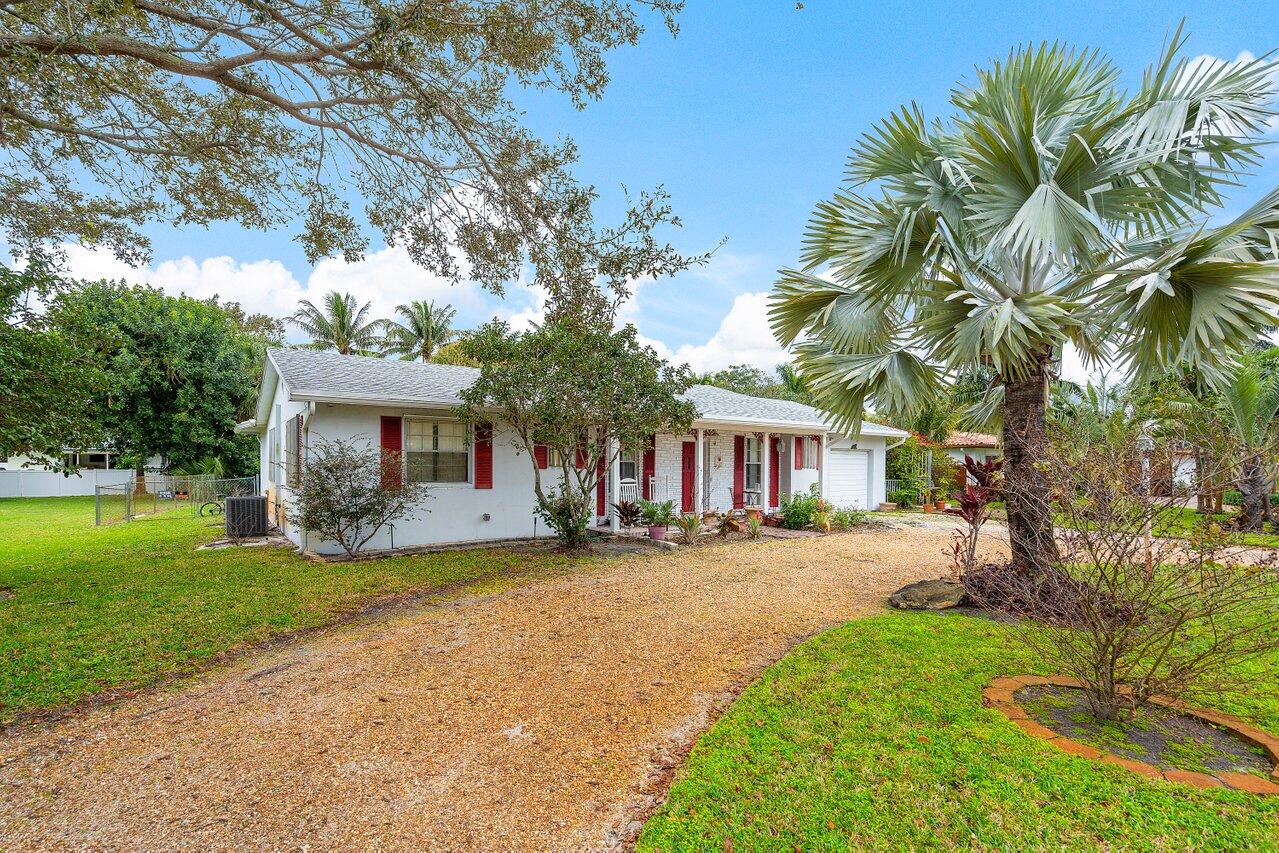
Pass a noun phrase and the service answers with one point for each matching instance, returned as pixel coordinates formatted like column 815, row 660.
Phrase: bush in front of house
column 797, row 509
column 567, row 512
column 350, row 490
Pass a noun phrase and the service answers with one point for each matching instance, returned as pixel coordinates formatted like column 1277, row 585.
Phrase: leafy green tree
column 1053, row 208
column 424, row 330
column 742, row 378
column 585, row 392
column 179, row 373
column 341, row 324
column 45, row 384
column 121, row 113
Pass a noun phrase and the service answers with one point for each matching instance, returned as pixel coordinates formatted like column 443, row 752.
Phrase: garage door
column 849, row 472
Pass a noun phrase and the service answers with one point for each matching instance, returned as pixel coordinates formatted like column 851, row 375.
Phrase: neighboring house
column 742, row 451
column 979, row 445
column 29, row 477
column 83, row 459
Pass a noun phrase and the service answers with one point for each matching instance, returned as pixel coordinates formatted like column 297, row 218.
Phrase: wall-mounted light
column 486, row 517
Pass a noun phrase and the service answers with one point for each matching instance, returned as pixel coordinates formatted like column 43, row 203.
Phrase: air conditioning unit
column 246, row 516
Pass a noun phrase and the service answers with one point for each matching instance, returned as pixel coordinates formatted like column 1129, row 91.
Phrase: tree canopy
column 214, row 110
column 179, row 373
column 584, row 392
column 46, row 385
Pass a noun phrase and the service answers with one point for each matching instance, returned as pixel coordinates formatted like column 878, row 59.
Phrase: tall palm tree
column 1052, row 208
column 340, row 325
column 424, row 330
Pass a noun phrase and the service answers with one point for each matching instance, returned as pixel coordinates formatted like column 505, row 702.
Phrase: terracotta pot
column 941, row 505
column 887, row 506
column 927, row 507
column 754, row 512
column 656, row 532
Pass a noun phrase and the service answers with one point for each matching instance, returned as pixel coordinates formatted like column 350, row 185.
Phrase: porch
column 717, row 468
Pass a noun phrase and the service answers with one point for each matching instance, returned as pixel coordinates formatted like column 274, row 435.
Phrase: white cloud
column 386, row 278
column 743, row 337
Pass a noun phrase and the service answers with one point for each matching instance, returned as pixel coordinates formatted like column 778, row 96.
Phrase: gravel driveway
column 543, row 717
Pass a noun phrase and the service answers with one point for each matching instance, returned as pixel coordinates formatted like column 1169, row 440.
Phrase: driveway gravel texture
column 546, row 717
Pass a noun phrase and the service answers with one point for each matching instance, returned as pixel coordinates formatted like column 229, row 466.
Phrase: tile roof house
column 741, row 451
column 978, row 445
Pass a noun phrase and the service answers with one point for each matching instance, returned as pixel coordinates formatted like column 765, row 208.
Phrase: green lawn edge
column 873, row 736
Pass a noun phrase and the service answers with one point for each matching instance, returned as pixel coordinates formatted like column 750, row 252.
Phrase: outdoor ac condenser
column 246, row 516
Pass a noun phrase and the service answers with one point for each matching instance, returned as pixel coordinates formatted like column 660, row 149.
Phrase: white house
column 741, row 451
column 979, row 445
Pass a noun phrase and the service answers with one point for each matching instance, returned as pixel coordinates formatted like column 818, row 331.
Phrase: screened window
column 810, row 453
column 754, row 465
column 628, row 467
column 436, row 451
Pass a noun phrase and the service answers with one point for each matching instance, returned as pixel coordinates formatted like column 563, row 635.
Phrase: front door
column 688, row 474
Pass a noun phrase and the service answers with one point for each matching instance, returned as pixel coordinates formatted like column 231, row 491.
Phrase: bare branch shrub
column 350, row 490
column 1140, row 601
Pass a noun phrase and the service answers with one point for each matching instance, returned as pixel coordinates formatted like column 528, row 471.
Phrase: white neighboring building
column 979, row 445
column 742, row 451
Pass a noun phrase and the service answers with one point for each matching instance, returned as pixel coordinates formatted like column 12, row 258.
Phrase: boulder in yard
column 928, row 595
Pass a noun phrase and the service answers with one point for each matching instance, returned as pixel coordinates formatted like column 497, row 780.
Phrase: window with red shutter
column 739, row 471
column 542, row 456
column 799, row 453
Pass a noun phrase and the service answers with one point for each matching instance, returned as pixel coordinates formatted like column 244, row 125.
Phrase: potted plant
column 941, row 504
column 755, row 512
column 657, row 516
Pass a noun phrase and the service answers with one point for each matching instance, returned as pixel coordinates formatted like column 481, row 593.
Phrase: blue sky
column 746, row 118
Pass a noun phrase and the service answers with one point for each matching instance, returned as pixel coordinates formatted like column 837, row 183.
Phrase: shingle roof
column 316, row 375
column 970, row 439
column 312, row 374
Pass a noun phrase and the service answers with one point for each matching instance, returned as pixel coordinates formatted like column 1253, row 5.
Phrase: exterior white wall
column 978, row 453
column 457, row 513
column 454, row 512
column 36, row 483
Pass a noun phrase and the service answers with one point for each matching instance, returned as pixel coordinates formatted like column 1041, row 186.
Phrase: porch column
column 614, row 484
column 767, row 474
column 821, row 468
column 699, row 489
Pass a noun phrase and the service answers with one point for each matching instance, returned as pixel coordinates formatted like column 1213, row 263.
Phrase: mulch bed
column 1172, row 741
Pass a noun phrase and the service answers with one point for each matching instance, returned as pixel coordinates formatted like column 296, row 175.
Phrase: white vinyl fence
column 51, row 484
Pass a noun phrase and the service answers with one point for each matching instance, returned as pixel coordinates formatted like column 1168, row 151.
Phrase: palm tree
column 1052, row 208
column 424, row 330
column 1248, row 404
column 340, row 325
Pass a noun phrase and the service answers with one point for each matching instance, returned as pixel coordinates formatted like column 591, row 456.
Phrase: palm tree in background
column 340, row 325
column 424, row 330
column 1248, row 404
column 1052, row 209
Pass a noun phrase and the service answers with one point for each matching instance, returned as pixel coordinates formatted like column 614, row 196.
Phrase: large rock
column 927, row 595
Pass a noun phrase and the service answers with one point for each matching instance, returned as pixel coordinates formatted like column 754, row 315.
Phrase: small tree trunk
column 1252, row 485
column 1025, row 433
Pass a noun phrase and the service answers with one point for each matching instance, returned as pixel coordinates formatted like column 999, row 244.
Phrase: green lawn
column 1182, row 522
column 873, row 735
column 85, row 608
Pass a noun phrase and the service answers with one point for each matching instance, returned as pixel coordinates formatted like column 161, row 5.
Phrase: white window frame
column 635, row 462
column 272, row 455
column 753, row 462
column 468, row 444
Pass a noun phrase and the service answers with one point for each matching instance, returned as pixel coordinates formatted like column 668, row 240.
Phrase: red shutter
column 799, row 452
column 650, row 467
column 774, row 471
column 599, row 487
column 579, row 457
column 483, row 456
column 739, row 471
column 542, row 457
column 392, row 451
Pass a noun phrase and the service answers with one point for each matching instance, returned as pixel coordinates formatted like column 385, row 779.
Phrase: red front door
column 688, row 474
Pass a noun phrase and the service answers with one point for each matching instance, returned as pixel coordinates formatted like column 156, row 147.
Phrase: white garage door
column 849, row 472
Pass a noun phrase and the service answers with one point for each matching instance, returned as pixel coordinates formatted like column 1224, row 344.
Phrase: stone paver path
column 538, row 718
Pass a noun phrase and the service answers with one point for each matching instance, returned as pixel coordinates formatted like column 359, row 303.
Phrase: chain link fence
column 175, row 494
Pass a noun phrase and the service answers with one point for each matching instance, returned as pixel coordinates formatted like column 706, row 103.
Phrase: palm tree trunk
column 1252, row 484
column 1025, row 433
